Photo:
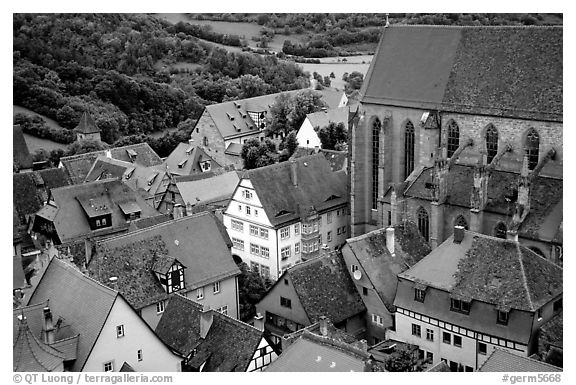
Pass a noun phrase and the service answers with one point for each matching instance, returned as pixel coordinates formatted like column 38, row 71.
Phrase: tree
column 256, row 154
column 85, row 146
column 288, row 147
column 355, row 80
column 400, row 361
column 251, row 288
column 278, row 117
column 305, row 102
column 251, row 85
column 333, row 136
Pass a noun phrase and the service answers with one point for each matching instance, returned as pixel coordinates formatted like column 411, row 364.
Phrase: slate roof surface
column 193, row 155
column 203, row 191
column 234, row 149
column 78, row 166
column 503, row 361
column 551, row 333
column 316, row 184
column 31, row 355
column 316, row 354
column 489, row 269
column 18, row 278
column 20, row 154
column 142, row 223
column 325, row 288
column 332, row 331
column 71, row 222
column 130, row 257
column 500, row 71
column 381, row 268
column 87, row 125
column 243, row 123
column 337, row 159
column 81, row 301
column 323, row 118
column 228, row 347
column 441, row 366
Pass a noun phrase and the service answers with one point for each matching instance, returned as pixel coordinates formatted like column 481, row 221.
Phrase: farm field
column 35, row 143
column 324, row 69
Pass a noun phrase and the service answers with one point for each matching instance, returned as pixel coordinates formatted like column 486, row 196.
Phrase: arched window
column 532, row 148
column 500, row 230
column 491, row 143
column 423, row 223
column 453, row 138
column 461, row 221
column 376, row 127
column 408, row 149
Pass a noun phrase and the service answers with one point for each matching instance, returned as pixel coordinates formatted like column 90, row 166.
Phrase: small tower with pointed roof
column 87, row 128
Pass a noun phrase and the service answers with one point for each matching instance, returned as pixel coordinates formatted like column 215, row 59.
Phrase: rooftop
column 506, row 71
column 20, row 154
column 87, row 125
column 323, row 118
column 338, row 159
column 204, row 191
column 503, row 361
column 186, row 159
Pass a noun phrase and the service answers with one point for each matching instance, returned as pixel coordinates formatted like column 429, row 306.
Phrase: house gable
column 271, row 303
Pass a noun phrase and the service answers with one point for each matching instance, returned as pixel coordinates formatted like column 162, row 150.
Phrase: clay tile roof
column 82, row 302
column 552, row 333
column 32, row 355
column 228, row 347
column 315, row 184
column 217, row 188
column 500, row 71
column 20, row 153
column 323, row 118
column 163, row 263
column 189, row 158
column 503, row 361
column 87, row 125
column 325, row 288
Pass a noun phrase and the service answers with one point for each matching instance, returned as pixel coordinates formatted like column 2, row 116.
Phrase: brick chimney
column 393, row 208
column 323, row 323
column 259, row 322
column 294, row 173
column 512, row 235
column 458, row 234
column 206, row 318
column 48, row 327
column 390, row 240
column 178, row 211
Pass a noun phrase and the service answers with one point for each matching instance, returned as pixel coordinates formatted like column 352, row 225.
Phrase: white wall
column 156, row 357
column 307, row 137
column 260, row 362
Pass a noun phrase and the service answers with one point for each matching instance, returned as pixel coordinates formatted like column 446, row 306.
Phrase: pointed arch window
column 376, row 127
column 408, row 149
column 532, row 148
column 500, row 230
column 453, row 138
column 491, row 143
column 461, row 221
column 423, row 223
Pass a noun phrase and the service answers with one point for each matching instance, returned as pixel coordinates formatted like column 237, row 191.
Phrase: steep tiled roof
column 312, row 353
column 241, row 122
column 501, row 71
column 78, row 166
column 317, row 186
column 69, row 218
column 18, row 278
column 337, row 159
column 203, row 191
column 87, row 125
column 551, row 333
column 192, row 240
column 20, row 153
column 332, row 332
column 228, row 347
column 81, row 301
column 489, row 269
column 185, row 160
column 503, row 361
column 325, row 288
column 142, row 223
column 441, row 366
column 32, row 355
column 323, row 118
column 234, row 149
column 381, row 268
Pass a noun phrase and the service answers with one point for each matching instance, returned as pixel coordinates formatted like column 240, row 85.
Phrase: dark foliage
column 251, row 288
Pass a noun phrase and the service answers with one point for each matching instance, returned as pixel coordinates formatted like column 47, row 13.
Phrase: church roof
column 503, row 71
column 87, row 125
column 20, row 154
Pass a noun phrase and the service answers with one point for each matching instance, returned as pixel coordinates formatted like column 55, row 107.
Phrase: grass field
column 35, row 143
column 325, row 69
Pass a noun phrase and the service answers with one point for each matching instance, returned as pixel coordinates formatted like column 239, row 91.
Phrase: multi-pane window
column 457, row 341
column 247, row 194
column 502, row 317
column 139, row 354
column 108, row 366
column 430, row 334
column 500, row 230
column 248, row 210
column 160, row 307
column 285, row 252
column 285, row 302
column 237, row 225
column 491, row 143
column 216, row 287
column 419, row 295
column 265, row 271
column 254, row 230
column 254, row 249
column 200, row 293
column 423, row 223
column 377, row 319
column 329, row 236
column 329, row 217
column 264, row 252
column 459, row 306
column 461, row 221
column 263, row 233
column 284, row 232
column 297, row 248
column 482, row 348
column 119, row 331
column 239, row 207
column 532, row 148
column 254, row 267
column 297, row 229
column 376, row 127
column 223, row 310
column 453, row 138
column 416, row 330
column 238, row 243
column 446, row 338
column 408, row 149
column 353, row 268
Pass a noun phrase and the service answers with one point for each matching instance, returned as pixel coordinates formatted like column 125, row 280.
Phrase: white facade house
column 268, row 225
column 307, row 136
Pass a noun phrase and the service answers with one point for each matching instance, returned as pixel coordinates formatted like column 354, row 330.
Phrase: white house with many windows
column 285, row 213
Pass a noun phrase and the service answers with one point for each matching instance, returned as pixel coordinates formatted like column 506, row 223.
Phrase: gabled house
column 223, row 128
column 373, row 261
column 338, row 159
column 189, row 159
column 211, row 341
column 190, row 256
column 475, row 293
column 21, row 157
column 86, row 326
column 306, row 292
column 308, row 137
column 96, row 210
column 287, row 212
column 87, row 129
column 150, row 183
column 78, row 166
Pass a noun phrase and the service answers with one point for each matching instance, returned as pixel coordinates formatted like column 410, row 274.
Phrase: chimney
column 259, row 322
column 206, row 318
column 108, row 153
column 191, row 142
column 48, row 326
column 316, row 149
column 390, row 240
column 113, row 282
column 458, row 234
column 178, row 211
column 512, row 235
column 294, row 173
column 323, row 322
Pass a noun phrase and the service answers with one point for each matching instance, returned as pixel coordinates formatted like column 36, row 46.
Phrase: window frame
column 139, row 355
column 419, row 295
column 409, row 140
column 200, row 293
column 120, row 332
column 502, row 317
column 458, row 305
column 285, row 302
column 160, row 306
column 482, row 348
column 452, row 138
column 111, row 363
column 417, row 330
column 429, row 335
column 459, row 338
column 491, row 140
column 285, row 232
column 216, row 287
column 532, row 148
column 446, row 340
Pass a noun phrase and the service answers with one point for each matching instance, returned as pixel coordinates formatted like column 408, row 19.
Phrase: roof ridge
column 94, row 283
column 339, row 345
column 524, row 278
column 238, row 322
column 437, row 26
column 86, row 154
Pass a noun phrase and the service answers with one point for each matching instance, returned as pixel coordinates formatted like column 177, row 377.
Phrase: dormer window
column 170, row 273
column 206, row 166
column 419, row 295
column 182, row 164
column 502, row 317
column 459, row 306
